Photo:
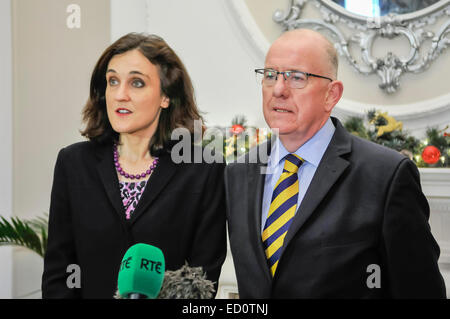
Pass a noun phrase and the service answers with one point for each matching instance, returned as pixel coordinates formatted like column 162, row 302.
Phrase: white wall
column 129, row 16
column 6, row 163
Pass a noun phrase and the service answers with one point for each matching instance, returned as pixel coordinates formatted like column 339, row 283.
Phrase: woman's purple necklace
column 126, row 175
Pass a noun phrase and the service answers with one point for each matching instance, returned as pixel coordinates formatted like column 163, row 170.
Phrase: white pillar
column 6, row 162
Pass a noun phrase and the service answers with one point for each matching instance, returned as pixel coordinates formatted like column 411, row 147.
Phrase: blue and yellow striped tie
column 282, row 210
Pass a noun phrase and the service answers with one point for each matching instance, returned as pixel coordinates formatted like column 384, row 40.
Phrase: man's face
column 297, row 113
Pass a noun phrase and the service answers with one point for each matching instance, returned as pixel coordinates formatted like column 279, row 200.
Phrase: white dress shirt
column 312, row 152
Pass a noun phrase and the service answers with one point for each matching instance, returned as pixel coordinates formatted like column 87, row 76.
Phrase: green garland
column 376, row 126
column 386, row 131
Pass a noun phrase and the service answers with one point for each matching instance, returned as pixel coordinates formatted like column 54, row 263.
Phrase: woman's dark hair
column 175, row 84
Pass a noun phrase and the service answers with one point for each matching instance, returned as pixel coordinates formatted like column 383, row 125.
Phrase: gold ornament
column 391, row 125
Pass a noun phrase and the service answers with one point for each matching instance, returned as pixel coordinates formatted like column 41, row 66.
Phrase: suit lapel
column 164, row 172
column 108, row 176
column 330, row 169
column 255, row 191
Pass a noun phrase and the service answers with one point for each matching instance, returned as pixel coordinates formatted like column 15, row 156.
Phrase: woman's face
column 133, row 94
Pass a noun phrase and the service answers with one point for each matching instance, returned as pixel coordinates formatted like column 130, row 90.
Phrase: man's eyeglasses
column 295, row 79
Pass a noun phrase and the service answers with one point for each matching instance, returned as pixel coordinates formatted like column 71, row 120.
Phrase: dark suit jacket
column 181, row 211
column 364, row 206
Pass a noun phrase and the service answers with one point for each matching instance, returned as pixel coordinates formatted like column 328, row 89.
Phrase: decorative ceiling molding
column 415, row 27
column 417, row 116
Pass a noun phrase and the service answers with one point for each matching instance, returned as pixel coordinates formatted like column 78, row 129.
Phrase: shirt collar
column 312, row 151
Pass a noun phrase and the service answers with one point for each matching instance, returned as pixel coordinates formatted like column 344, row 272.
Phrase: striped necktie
column 282, row 210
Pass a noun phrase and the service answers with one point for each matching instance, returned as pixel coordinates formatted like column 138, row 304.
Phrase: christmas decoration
column 390, row 126
column 243, row 138
column 385, row 130
column 240, row 138
column 441, row 141
column 378, row 127
column 237, row 129
column 431, row 154
column 238, row 124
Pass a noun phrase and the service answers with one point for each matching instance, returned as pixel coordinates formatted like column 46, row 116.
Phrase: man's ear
column 334, row 94
column 165, row 102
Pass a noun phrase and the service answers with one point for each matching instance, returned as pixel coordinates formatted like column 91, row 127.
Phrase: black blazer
column 364, row 206
column 181, row 211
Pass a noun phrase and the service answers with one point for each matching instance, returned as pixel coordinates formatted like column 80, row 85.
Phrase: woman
column 121, row 187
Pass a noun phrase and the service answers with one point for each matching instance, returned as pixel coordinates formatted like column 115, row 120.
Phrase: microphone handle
column 137, row 296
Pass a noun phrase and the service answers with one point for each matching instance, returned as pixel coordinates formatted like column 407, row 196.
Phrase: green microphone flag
column 141, row 271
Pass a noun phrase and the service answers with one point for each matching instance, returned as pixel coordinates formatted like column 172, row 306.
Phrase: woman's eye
column 138, row 83
column 113, row 81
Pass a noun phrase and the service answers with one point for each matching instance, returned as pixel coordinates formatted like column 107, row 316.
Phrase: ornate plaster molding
column 415, row 27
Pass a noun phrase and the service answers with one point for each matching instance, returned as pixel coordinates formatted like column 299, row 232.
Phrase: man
column 334, row 216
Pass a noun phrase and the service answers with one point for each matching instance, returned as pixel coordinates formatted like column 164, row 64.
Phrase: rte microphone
column 141, row 272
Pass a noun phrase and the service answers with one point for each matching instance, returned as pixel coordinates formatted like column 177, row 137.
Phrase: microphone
column 186, row 283
column 141, row 272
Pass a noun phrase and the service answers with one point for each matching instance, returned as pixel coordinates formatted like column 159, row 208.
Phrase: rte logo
column 146, row 264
